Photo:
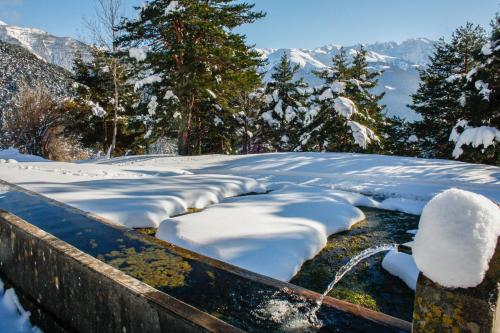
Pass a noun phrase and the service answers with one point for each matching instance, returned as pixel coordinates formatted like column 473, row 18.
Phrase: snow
column 13, row 317
column 408, row 206
column 312, row 196
column 268, row 118
column 132, row 197
column 338, row 87
column 218, row 121
column 138, row 53
column 454, row 135
column 412, row 138
column 290, row 113
column 173, row 7
column 269, row 234
column 278, row 108
column 170, row 95
column 152, row 105
column 370, row 174
column 475, row 136
column 147, row 80
column 344, row 106
column 486, row 49
column 457, row 237
column 327, row 94
column 362, row 135
column 13, row 154
column 454, row 77
column 96, row 109
column 403, row 266
column 483, row 89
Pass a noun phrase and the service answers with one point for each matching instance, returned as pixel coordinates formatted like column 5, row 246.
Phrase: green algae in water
column 368, row 284
column 152, row 265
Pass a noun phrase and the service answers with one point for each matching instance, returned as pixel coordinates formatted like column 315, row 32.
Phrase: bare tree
column 105, row 33
column 29, row 124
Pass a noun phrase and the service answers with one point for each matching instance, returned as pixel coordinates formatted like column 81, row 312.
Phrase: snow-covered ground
column 13, row 317
column 312, row 196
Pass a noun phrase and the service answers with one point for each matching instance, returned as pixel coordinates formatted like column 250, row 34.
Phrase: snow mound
column 403, row 266
column 13, row 155
column 13, row 317
column 457, row 237
column 408, row 206
column 271, row 234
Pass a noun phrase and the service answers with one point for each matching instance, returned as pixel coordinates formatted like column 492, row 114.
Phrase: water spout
column 351, row 264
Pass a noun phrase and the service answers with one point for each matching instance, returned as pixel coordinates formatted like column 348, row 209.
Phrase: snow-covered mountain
column 399, row 62
column 20, row 68
column 55, row 50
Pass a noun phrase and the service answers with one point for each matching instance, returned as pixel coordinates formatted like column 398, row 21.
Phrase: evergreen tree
column 286, row 99
column 477, row 133
column 346, row 115
column 440, row 98
column 398, row 137
column 94, row 116
column 195, row 59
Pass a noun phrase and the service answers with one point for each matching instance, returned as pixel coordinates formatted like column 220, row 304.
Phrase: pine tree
column 281, row 119
column 346, row 115
column 477, row 133
column 197, row 60
column 398, row 137
column 94, row 116
column 440, row 96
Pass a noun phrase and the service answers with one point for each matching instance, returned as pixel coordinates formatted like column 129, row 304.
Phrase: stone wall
column 87, row 294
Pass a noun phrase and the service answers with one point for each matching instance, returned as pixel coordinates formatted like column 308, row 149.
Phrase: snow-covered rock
column 403, row 266
column 457, row 237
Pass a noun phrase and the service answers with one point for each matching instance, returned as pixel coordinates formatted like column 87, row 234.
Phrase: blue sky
column 291, row 23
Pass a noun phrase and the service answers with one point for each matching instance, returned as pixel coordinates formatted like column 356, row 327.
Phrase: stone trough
column 78, row 272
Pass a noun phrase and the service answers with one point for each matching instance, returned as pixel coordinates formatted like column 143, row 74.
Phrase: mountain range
column 398, row 61
column 59, row 51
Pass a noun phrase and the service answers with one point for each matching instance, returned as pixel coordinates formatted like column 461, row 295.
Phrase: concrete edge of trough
column 87, row 294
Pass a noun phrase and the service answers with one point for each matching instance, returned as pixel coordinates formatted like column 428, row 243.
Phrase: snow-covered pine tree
column 281, row 119
column 197, row 58
column 245, row 121
column 440, row 98
column 95, row 90
column 398, row 137
column 476, row 135
column 345, row 115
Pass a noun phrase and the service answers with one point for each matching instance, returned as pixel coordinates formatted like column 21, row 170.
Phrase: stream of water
column 302, row 317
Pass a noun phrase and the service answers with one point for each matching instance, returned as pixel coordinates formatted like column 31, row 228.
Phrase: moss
column 153, row 266
column 357, row 297
column 147, row 231
column 368, row 284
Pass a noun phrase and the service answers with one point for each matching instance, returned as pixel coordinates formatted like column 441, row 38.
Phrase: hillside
column 55, row 50
column 20, row 67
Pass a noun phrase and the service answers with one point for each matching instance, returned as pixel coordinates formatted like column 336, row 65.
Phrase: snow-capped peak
column 56, row 50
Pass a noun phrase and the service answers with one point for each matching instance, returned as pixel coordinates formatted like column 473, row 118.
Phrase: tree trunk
column 116, row 106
